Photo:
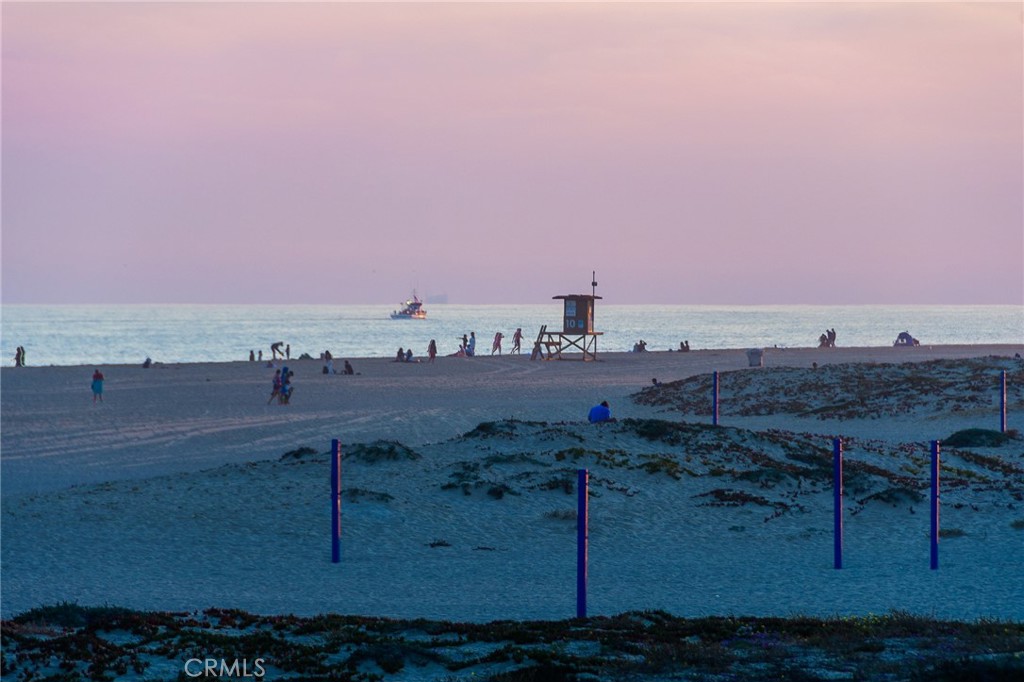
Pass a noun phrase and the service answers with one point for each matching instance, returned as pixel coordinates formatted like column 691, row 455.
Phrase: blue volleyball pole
column 935, row 505
column 335, row 501
column 582, row 486
column 837, row 497
column 1002, row 403
column 714, row 398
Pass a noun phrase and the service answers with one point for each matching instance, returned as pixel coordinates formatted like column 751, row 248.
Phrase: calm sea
column 127, row 334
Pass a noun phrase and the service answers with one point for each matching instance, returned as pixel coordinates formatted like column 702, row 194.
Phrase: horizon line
column 606, row 302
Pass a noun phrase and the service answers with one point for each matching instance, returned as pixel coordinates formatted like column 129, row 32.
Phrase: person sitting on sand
column 408, row 354
column 348, row 368
column 600, row 413
column 684, row 346
column 400, row 355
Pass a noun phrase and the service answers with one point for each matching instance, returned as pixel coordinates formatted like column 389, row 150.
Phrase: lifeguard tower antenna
column 577, row 329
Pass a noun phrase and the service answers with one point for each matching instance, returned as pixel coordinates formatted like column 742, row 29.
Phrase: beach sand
column 177, row 493
column 186, row 417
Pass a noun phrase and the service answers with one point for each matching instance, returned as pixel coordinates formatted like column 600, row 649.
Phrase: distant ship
column 411, row 310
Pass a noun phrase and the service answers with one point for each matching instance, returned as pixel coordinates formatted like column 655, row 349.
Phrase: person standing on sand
column 471, row 348
column 275, row 348
column 432, row 350
column 496, row 346
column 97, row 386
column 517, row 340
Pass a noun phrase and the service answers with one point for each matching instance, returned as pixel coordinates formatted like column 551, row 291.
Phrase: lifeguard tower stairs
column 577, row 340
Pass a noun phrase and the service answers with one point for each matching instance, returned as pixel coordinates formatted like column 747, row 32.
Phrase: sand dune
column 179, row 492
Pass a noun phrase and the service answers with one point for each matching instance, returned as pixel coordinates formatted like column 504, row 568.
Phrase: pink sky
column 346, row 153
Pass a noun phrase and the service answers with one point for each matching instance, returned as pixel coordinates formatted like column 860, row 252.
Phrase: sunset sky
column 824, row 153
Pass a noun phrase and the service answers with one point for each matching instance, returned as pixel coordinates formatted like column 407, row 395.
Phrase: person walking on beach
column 275, row 391
column 286, row 387
column 496, row 346
column 517, row 340
column 431, row 350
column 97, row 386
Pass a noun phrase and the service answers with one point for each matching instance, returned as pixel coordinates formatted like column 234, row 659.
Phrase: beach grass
column 70, row 642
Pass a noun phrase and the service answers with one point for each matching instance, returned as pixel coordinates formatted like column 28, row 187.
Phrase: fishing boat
column 411, row 310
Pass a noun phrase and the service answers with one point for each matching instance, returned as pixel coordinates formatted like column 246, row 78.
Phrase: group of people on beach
column 282, row 386
column 467, row 344
column 827, row 339
column 329, row 364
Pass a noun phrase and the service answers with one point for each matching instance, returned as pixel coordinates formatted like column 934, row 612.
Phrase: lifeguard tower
column 577, row 330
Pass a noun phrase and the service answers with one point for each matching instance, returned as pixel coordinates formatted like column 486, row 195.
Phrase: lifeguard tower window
column 578, row 317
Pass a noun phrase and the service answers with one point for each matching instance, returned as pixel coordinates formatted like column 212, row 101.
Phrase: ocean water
column 127, row 334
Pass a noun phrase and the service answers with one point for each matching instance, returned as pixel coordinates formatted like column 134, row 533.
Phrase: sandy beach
column 185, row 490
column 188, row 417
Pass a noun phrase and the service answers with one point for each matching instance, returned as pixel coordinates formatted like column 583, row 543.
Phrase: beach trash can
column 755, row 356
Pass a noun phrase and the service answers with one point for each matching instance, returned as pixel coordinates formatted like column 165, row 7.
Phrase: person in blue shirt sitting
column 600, row 413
